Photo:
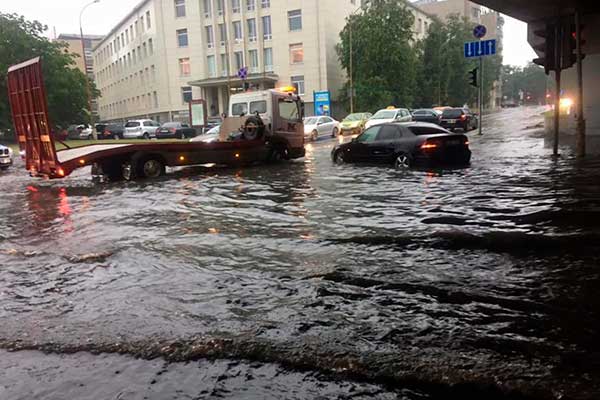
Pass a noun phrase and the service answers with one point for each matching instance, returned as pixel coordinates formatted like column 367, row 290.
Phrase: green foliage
column 383, row 59
column 530, row 79
column 21, row 40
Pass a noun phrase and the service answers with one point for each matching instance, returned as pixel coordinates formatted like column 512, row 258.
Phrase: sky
column 100, row 18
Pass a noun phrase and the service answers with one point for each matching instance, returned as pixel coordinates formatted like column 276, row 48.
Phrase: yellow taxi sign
column 287, row 89
column 390, row 108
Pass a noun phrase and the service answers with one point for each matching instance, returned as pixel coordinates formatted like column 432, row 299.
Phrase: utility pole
column 557, row 56
column 480, row 96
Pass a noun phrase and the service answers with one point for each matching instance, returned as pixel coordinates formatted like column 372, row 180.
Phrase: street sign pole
column 480, row 96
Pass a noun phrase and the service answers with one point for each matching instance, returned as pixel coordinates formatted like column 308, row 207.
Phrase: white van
column 248, row 103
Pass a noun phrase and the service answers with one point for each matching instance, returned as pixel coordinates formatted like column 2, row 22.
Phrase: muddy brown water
column 308, row 280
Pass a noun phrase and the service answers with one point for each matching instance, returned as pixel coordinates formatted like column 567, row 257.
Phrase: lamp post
column 85, row 66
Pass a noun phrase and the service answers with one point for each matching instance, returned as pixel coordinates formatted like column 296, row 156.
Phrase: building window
column 153, row 69
column 207, row 8
column 223, row 34
column 239, row 60
column 420, row 26
column 224, row 65
column 298, row 83
column 184, row 67
column 251, row 5
column 150, row 47
column 296, row 53
column 220, row 7
column 265, row 3
column 475, row 12
column 145, row 47
column 179, row 8
column 237, row 31
column 235, row 6
column 253, row 55
column 182, row 38
column 210, row 39
column 142, row 23
column 267, row 33
column 252, row 30
column 295, row 20
column 133, row 56
column 148, row 22
column 268, row 59
column 186, row 94
column 212, row 66
column 155, row 98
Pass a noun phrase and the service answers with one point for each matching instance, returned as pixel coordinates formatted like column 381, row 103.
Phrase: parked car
column 324, row 125
column 6, row 157
column 427, row 115
column 140, row 129
column 211, row 135
column 405, row 145
column 453, row 118
column 175, row 130
column 82, row 131
column 354, row 124
column 389, row 114
column 211, row 122
column 112, row 131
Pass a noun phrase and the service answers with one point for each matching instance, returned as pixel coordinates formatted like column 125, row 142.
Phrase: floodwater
column 309, row 280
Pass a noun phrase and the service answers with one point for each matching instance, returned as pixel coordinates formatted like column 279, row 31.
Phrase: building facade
column 166, row 52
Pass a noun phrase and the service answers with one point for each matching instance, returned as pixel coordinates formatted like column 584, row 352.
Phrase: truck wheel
column 150, row 167
column 278, row 154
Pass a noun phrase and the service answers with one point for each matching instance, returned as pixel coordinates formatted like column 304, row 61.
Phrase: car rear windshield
column 132, row 124
column 422, row 112
column 426, row 130
column 170, row 125
column 384, row 114
column 453, row 113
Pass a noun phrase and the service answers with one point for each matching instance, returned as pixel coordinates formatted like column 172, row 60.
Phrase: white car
column 389, row 115
column 6, row 157
column 212, row 135
column 315, row 126
column 140, row 129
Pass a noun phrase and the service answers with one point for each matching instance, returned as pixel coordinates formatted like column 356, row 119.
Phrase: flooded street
column 309, row 280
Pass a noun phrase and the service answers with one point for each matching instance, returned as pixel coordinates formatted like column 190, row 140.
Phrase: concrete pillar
column 222, row 100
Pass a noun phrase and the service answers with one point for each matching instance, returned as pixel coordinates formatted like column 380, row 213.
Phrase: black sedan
column 427, row 115
column 462, row 118
column 175, row 130
column 404, row 145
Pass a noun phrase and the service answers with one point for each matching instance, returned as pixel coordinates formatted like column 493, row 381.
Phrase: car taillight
column 466, row 142
column 463, row 117
column 429, row 145
column 172, row 130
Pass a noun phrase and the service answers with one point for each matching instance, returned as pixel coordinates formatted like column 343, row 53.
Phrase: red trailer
column 244, row 140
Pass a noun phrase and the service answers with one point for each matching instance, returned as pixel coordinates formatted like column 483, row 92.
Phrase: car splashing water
column 309, row 279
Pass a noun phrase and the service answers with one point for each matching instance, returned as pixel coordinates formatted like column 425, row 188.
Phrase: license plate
column 454, row 142
column 451, row 121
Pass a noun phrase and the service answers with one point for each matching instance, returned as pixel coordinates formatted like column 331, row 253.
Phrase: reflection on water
column 426, row 279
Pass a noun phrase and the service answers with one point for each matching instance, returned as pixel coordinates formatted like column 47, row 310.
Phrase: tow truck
column 273, row 133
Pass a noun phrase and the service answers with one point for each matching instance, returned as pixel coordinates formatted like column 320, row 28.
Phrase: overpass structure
column 580, row 81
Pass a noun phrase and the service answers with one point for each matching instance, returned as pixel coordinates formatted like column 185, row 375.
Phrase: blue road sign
column 479, row 31
column 243, row 73
column 480, row 49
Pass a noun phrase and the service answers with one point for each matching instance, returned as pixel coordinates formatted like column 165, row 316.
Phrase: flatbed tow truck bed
column 29, row 109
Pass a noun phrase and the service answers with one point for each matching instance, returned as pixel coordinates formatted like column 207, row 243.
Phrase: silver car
column 140, row 129
column 6, row 157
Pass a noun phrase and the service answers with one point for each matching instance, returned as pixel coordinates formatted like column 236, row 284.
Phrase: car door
column 383, row 148
column 361, row 147
column 324, row 126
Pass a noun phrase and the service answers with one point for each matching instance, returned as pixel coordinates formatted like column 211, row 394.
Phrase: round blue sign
column 479, row 31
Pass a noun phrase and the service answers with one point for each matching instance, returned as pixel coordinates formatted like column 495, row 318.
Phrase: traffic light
column 569, row 45
column 547, row 47
column 473, row 81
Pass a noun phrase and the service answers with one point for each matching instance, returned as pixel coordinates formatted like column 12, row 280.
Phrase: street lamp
column 85, row 65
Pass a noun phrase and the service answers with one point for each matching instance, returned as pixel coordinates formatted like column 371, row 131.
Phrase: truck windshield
column 239, row 108
column 258, row 107
column 289, row 110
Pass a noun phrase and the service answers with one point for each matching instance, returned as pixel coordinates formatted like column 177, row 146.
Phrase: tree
column 531, row 80
column 433, row 77
column 383, row 56
column 21, row 40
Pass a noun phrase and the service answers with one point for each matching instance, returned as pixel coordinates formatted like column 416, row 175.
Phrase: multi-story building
column 166, row 52
column 84, row 50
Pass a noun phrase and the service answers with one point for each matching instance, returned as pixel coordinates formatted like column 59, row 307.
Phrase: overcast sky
column 101, row 17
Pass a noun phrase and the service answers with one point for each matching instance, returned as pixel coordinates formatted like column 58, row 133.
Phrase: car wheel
column 403, row 161
column 334, row 133
column 150, row 167
column 182, row 136
column 116, row 137
column 90, row 137
column 314, row 135
column 146, row 136
column 338, row 157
